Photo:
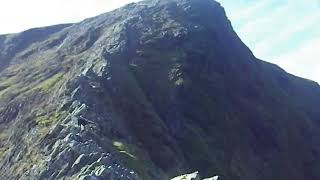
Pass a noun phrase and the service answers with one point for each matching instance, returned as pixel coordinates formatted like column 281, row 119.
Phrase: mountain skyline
column 286, row 33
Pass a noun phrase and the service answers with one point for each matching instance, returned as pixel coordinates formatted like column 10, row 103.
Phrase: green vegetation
column 48, row 119
column 3, row 136
column 30, row 158
column 179, row 82
column 4, row 146
column 5, row 85
column 118, row 145
column 136, row 159
column 25, row 81
column 122, row 149
column 49, row 83
column 43, row 120
column 3, row 152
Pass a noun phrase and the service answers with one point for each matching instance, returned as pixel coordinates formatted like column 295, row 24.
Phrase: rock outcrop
column 168, row 88
column 193, row 176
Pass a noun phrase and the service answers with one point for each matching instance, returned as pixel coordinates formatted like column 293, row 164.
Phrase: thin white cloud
column 18, row 15
column 282, row 32
column 304, row 61
column 260, row 27
column 246, row 11
column 292, row 30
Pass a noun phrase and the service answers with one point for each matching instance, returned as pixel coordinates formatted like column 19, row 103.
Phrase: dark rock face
column 169, row 88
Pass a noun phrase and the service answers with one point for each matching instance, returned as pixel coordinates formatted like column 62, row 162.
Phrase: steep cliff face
column 166, row 88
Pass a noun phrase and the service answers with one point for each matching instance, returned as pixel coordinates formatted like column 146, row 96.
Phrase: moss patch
column 49, row 83
column 3, row 152
column 30, row 158
column 118, row 145
column 51, row 118
column 179, row 82
column 123, row 149
column 43, row 120
column 137, row 160
column 5, row 85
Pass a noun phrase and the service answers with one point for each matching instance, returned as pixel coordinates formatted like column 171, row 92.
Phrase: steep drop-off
column 168, row 88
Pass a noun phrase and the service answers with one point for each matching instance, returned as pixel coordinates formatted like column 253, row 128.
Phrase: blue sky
column 284, row 32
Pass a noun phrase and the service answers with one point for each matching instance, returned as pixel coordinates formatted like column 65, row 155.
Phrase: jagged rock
column 112, row 172
column 192, row 176
column 83, row 160
column 212, row 178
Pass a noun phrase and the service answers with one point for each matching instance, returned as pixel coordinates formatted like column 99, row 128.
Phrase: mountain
column 152, row 90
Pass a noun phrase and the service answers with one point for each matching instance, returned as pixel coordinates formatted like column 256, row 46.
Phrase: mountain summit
column 152, row 90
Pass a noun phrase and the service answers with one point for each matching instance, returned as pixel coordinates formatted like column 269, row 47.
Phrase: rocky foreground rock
column 152, row 90
column 193, row 176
